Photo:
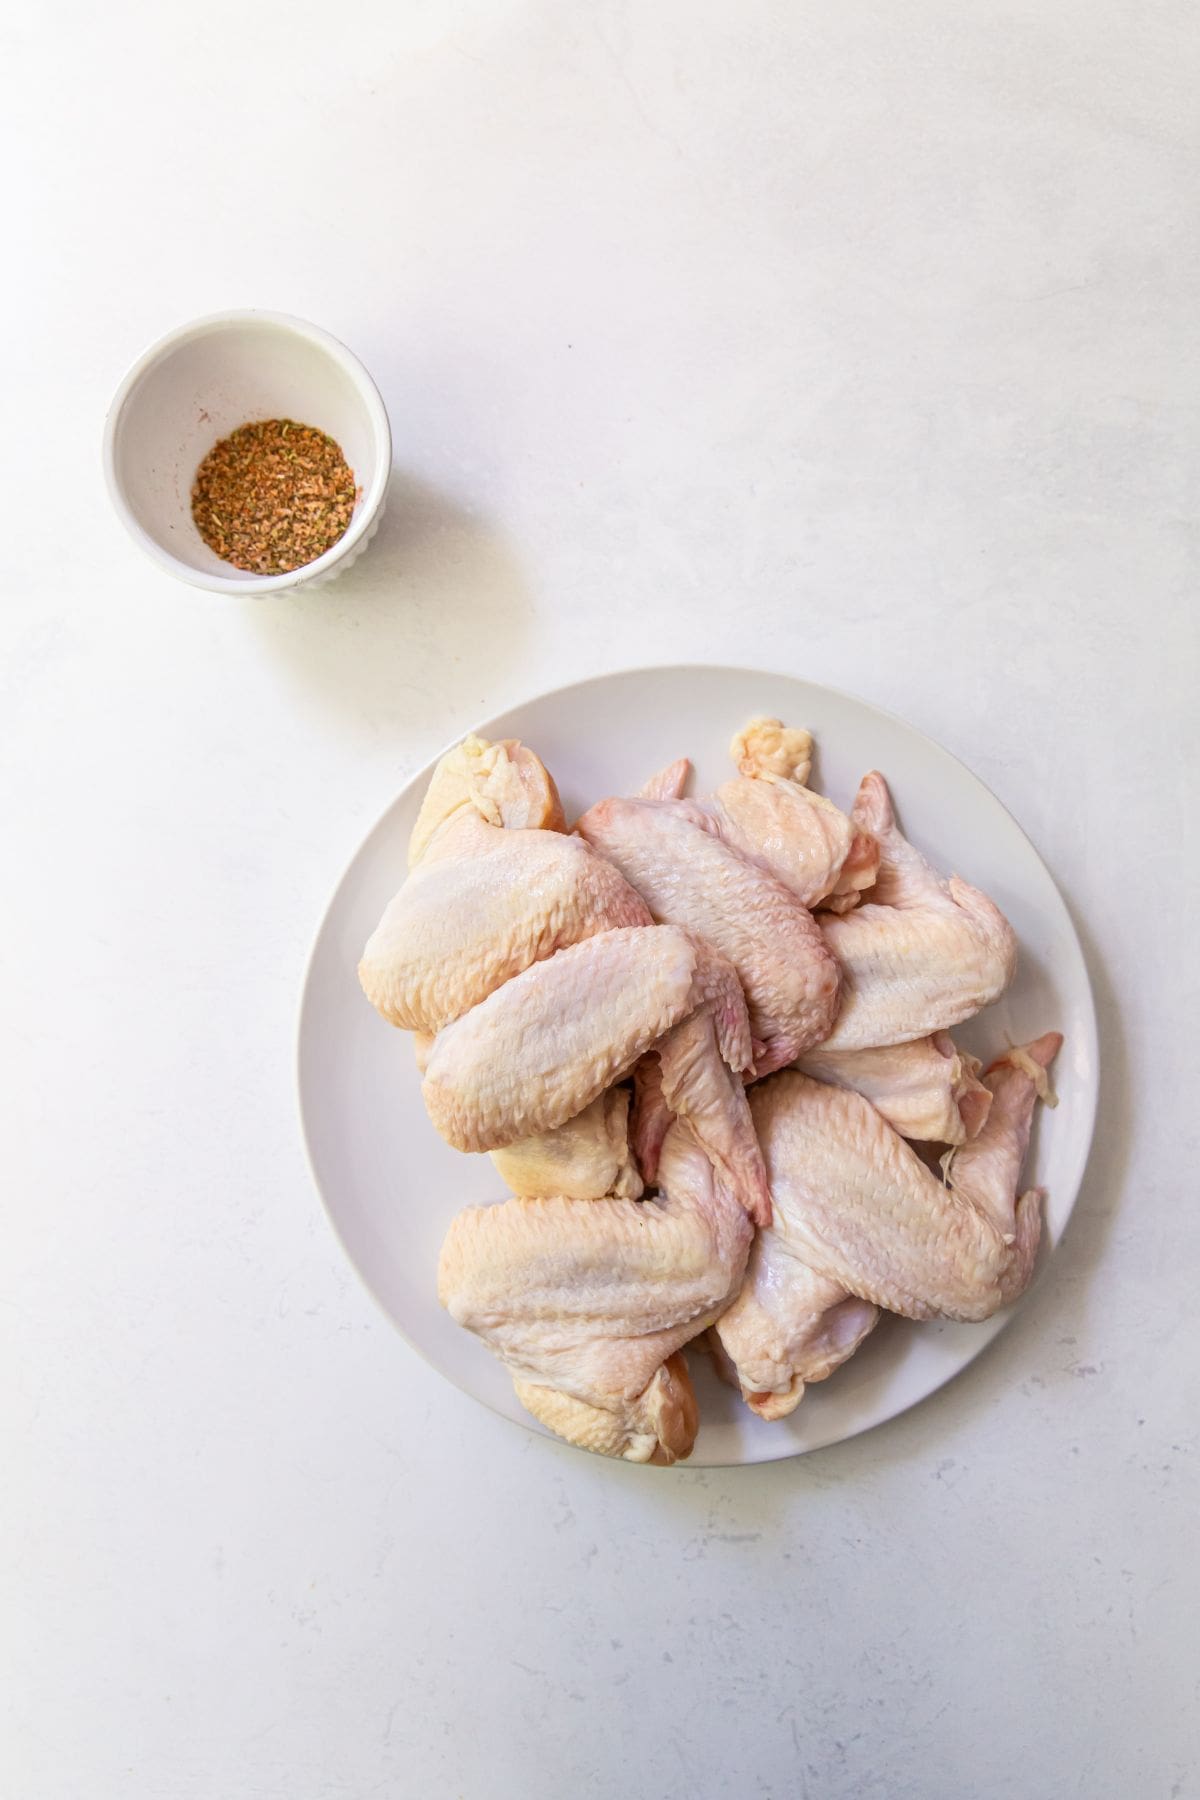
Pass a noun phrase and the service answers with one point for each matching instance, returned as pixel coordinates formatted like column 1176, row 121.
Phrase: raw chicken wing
column 689, row 878
column 772, row 819
column 488, row 895
column 923, row 953
column 825, row 858
column 788, row 1327
column 543, row 1046
column 767, row 746
column 858, row 1214
column 503, row 784
column 588, row 1158
column 587, row 1302
column 464, row 924
column 926, row 1089
column 805, row 841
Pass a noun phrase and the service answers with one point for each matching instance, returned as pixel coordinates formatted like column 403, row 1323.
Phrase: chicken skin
column 543, row 1046
column 490, row 904
column 588, row 1302
column 688, row 877
column 857, row 1209
column 802, row 839
column 487, row 894
column 588, row 1158
column 772, row 818
column 925, row 1089
column 767, row 746
column 924, row 953
column 504, row 784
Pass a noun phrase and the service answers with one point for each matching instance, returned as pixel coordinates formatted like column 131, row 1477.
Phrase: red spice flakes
column 273, row 496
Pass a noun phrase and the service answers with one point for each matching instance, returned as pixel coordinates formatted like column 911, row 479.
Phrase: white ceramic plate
column 391, row 1185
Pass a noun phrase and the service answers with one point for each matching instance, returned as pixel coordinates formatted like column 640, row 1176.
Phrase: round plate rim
column 995, row 1326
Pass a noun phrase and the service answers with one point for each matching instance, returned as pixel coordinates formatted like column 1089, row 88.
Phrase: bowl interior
column 200, row 388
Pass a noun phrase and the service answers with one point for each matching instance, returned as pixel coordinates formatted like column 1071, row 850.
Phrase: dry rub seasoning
column 273, row 496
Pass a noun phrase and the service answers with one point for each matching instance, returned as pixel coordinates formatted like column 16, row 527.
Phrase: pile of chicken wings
column 696, row 1036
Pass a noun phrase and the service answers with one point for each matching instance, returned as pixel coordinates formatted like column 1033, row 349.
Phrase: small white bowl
column 201, row 382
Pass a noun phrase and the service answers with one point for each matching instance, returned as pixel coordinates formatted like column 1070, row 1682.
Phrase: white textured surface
column 858, row 340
